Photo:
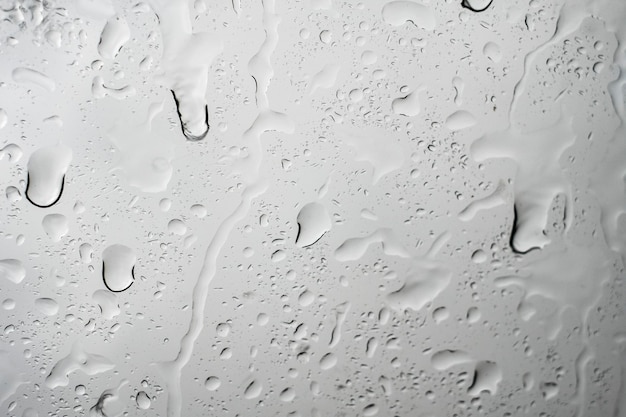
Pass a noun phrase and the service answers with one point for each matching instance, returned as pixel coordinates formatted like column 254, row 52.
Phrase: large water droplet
column 46, row 174
column 114, row 35
column 313, row 223
column 399, row 12
column 13, row 270
column 118, row 267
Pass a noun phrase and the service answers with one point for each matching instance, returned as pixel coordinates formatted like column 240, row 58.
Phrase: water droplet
column 114, row 35
column 177, row 227
column 30, row 412
column 278, row 256
column 107, row 301
column 399, row 12
column 223, row 329
column 30, row 76
column 409, row 105
column 46, row 174
column 56, row 226
column 253, row 390
column 212, row 383
column 47, row 306
column 370, row 410
column 15, row 153
column 13, row 194
column 287, row 395
column 479, row 256
column 306, row 298
column 440, row 314
column 143, row 400
column 198, row 210
column 492, row 51
column 313, row 222
column 185, row 62
column 118, row 267
column 354, row 248
column 460, row 120
column 13, row 270
column 487, row 377
column 86, row 252
column 77, row 360
column 4, row 118
column 328, row 361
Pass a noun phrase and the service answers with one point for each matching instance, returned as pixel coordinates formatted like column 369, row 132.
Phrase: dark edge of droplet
column 467, row 5
column 566, row 213
column 298, row 234
column 474, row 380
column 310, row 244
column 185, row 131
column 405, row 97
column 513, row 232
column 318, row 239
column 256, row 87
column 132, row 273
column 49, row 205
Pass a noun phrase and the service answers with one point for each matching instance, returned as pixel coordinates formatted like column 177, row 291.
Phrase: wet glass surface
column 312, row 208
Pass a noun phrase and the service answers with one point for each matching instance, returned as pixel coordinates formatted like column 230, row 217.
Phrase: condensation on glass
column 312, row 208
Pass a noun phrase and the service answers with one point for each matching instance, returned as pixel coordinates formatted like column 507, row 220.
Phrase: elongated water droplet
column 114, row 35
column 399, row 12
column 30, row 76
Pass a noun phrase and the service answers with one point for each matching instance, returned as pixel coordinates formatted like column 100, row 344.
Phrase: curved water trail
column 267, row 120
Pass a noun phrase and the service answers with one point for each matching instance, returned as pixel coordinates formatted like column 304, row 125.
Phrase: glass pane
column 312, row 208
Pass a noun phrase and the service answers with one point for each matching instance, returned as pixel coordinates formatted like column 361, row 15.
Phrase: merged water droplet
column 77, row 360
column 539, row 176
column 186, row 59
